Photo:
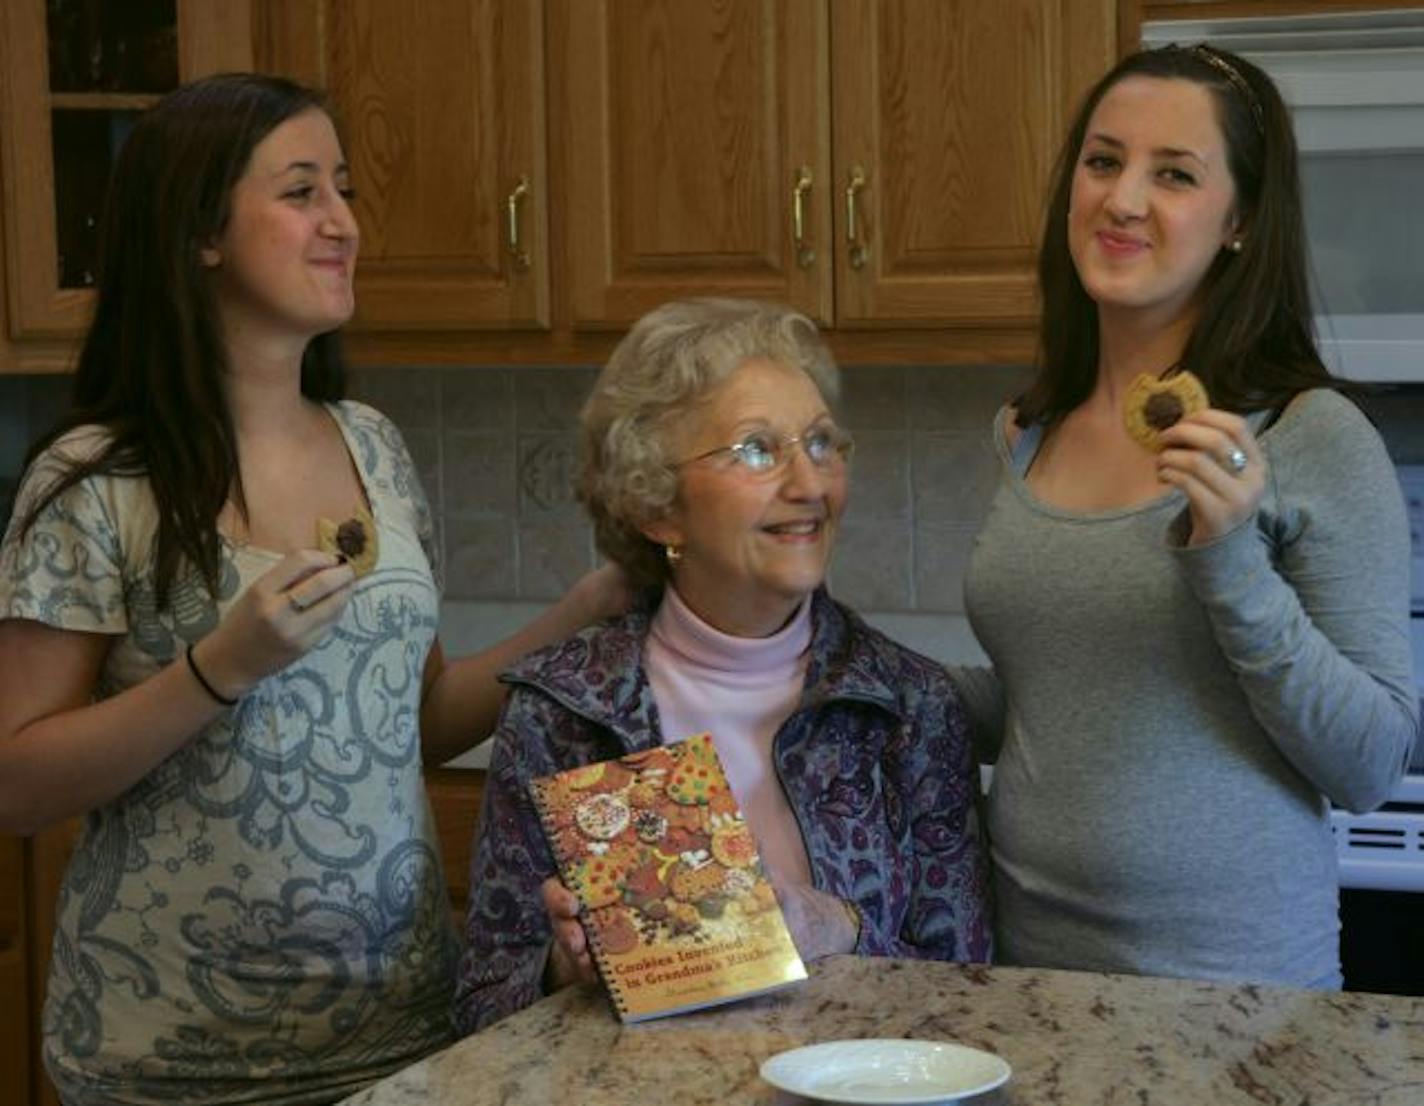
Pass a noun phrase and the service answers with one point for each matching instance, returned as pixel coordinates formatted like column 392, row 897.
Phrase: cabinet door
column 442, row 108
column 684, row 129
column 947, row 120
column 49, row 853
column 75, row 76
column 455, row 797
column 14, row 975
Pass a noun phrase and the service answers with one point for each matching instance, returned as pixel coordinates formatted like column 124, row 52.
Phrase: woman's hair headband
column 1233, row 77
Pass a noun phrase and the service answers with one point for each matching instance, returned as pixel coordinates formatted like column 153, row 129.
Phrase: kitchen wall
column 497, row 450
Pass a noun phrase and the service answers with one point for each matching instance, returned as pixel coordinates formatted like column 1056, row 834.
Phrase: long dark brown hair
column 1253, row 343
column 151, row 369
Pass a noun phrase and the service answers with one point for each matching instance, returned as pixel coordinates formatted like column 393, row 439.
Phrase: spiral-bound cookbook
column 678, row 910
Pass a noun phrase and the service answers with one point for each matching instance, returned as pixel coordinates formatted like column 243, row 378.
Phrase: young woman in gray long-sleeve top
column 1193, row 649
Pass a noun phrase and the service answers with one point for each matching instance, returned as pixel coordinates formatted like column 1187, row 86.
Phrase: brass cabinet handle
column 805, row 255
column 513, row 204
column 858, row 250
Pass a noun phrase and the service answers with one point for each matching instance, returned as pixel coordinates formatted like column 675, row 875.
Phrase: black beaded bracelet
column 212, row 691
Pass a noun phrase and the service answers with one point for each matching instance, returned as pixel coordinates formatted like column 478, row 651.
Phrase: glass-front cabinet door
column 76, row 75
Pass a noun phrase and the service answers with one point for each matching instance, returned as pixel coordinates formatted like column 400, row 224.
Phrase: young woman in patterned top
column 255, row 910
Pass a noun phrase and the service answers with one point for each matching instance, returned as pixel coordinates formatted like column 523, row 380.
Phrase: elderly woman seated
column 716, row 474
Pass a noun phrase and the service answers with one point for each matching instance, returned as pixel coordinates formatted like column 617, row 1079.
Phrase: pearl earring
column 673, row 555
column 1235, row 245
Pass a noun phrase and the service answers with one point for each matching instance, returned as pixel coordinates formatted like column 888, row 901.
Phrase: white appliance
column 1355, row 85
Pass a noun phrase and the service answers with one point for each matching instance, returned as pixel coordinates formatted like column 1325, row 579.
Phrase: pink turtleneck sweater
column 740, row 690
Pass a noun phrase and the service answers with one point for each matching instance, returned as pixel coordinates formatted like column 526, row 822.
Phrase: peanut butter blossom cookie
column 1153, row 404
column 353, row 540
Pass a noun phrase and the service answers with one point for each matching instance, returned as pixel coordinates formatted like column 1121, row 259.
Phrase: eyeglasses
column 762, row 453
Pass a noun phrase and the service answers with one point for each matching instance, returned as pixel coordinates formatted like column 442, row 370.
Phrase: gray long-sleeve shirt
column 1173, row 719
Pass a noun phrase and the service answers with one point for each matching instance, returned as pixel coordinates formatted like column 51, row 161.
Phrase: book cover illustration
column 677, row 907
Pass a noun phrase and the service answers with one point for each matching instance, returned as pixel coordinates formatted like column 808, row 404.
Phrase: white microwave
column 1355, row 86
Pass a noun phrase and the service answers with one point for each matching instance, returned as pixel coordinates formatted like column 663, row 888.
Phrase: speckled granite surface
column 1073, row 1039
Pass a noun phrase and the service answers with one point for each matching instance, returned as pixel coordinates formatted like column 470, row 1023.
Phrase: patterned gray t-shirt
column 262, row 918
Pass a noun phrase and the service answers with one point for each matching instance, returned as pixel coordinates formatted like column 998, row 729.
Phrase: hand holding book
column 669, row 897
column 570, row 959
column 820, row 924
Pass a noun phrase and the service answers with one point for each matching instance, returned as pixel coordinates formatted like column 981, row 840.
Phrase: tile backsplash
column 497, row 452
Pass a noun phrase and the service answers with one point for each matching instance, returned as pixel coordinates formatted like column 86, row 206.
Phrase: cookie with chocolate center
column 353, row 540
column 1153, row 404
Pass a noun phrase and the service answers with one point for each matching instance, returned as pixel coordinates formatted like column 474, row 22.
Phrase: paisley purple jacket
column 875, row 762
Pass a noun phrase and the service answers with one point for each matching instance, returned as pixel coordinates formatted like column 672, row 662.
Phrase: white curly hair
column 669, row 362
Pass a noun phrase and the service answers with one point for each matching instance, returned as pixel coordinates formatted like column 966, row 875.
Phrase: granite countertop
column 1072, row 1038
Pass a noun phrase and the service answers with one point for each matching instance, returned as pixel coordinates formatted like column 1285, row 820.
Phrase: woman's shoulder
column 77, row 445
column 1320, row 406
column 379, row 446
column 1321, row 421
column 1326, row 456
column 73, row 448
column 588, row 658
column 362, row 417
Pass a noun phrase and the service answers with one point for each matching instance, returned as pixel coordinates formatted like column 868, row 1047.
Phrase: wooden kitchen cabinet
column 699, row 148
column 31, row 870
column 533, row 175
column 921, row 135
column 442, row 110
column 15, row 1016
column 689, row 133
column 455, row 798
column 75, row 76
column 947, row 119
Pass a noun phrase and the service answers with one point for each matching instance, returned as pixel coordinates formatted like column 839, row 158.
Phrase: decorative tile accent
column 870, row 570
column 552, row 556
column 479, row 557
column 548, row 468
column 478, row 473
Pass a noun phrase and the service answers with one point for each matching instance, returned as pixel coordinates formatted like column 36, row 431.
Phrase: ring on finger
column 295, row 603
column 1235, row 460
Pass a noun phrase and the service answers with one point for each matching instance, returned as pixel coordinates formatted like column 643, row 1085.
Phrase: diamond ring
column 1235, row 460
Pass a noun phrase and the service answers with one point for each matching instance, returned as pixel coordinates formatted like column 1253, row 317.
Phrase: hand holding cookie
column 354, row 540
column 285, row 612
column 1155, row 404
column 1216, row 461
